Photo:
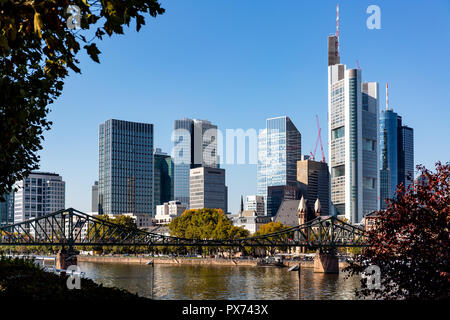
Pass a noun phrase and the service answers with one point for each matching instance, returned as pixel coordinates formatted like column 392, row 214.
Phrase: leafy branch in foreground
column 410, row 241
column 38, row 48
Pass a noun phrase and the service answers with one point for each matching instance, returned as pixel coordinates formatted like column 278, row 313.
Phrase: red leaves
column 411, row 240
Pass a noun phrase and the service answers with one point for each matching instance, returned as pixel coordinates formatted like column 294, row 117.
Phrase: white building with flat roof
column 168, row 211
column 39, row 194
column 255, row 203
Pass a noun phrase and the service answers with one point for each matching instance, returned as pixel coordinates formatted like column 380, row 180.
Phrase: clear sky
column 238, row 62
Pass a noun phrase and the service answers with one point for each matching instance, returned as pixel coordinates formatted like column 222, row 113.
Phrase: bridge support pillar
column 326, row 262
column 66, row 258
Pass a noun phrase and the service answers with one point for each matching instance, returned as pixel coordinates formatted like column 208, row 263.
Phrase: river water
column 200, row 282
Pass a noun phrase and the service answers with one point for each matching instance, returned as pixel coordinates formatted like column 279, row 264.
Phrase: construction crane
column 357, row 64
column 319, row 138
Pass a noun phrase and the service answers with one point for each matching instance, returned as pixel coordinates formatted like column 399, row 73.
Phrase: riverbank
column 22, row 279
column 192, row 261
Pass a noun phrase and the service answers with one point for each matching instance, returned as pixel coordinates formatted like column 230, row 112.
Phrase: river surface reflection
column 200, row 282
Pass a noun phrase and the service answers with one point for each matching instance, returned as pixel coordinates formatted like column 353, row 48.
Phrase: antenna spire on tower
column 337, row 28
column 387, row 97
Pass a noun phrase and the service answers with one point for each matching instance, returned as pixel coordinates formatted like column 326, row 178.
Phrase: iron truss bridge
column 71, row 227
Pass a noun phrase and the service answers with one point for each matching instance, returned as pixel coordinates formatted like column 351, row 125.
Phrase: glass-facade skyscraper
column 163, row 178
column 396, row 156
column 279, row 149
column 7, row 209
column 195, row 145
column 352, row 139
column 125, row 167
column 388, row 155
column 406, row 150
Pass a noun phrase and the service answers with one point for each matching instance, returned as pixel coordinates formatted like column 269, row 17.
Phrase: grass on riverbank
column 21, row 278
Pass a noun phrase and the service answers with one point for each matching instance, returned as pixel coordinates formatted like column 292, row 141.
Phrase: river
column 200, row 282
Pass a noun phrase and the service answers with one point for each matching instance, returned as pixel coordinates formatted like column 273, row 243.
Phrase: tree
column 39, row 43
column 122, row 220
column 272, row 227
column 205, row 224
column 410, row 241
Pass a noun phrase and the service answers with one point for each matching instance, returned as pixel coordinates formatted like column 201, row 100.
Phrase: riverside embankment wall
column 190, row 261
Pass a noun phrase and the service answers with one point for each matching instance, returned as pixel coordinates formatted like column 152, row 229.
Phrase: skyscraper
column 313, row 178
column 352, row 138
column 195, row 145
column 163, row 178
column 207, row 189
column 397, row 153
column 41, row 193
column 279, row 149
column 125, row 167
column 94, row 203
column 389, row 147
column 406, row 152
column 7, row 209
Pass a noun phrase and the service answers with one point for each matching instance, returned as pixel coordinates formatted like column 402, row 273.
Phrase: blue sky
column 237, row 62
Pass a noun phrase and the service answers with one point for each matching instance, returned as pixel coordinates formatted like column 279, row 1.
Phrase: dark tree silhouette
column 410, row 241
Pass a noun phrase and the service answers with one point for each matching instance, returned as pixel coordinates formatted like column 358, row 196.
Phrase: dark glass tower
column 7, row 209
column 397, row 154
column 163, row 178
column 125, row 167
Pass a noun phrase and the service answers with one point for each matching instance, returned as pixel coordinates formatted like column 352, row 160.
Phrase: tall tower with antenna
column 333, row 43
column 352, row 136
column 387, row 97
column 337, row 28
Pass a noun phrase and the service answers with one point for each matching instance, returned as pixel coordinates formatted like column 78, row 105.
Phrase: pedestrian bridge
column 70, row 227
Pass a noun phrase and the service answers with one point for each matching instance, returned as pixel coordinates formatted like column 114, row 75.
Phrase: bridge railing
column 74, row 228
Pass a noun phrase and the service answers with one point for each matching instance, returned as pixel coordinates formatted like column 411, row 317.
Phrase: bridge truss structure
column 70, row 227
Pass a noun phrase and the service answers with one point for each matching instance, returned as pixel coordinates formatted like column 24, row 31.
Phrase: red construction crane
column 319, row 138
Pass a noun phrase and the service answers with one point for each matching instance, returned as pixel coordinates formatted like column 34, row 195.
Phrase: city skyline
column 293, row 96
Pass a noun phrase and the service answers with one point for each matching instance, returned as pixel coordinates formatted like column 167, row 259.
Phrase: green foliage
column 205, row 224
column 273, row 227
column 121, row 220
column 37, row 51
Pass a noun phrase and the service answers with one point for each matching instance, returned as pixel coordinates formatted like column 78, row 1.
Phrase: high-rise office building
column 195, row 145
column 313, row 178
column 276, row 195
column 255, row 203
column 279, row 149
column 352, row 138
column 163, row 178
column 125, row 167
column 396, row 153
column 406, row 152
column 94, row 197
column 7, row 209
column 39, row 194
column 389, row 147
column 207, row 189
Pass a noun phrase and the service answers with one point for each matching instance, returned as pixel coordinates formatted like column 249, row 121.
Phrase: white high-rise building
column 255, row 203
column 41, row 193
column 352, row 139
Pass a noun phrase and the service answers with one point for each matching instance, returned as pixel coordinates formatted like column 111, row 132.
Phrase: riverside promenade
column 192, row 261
